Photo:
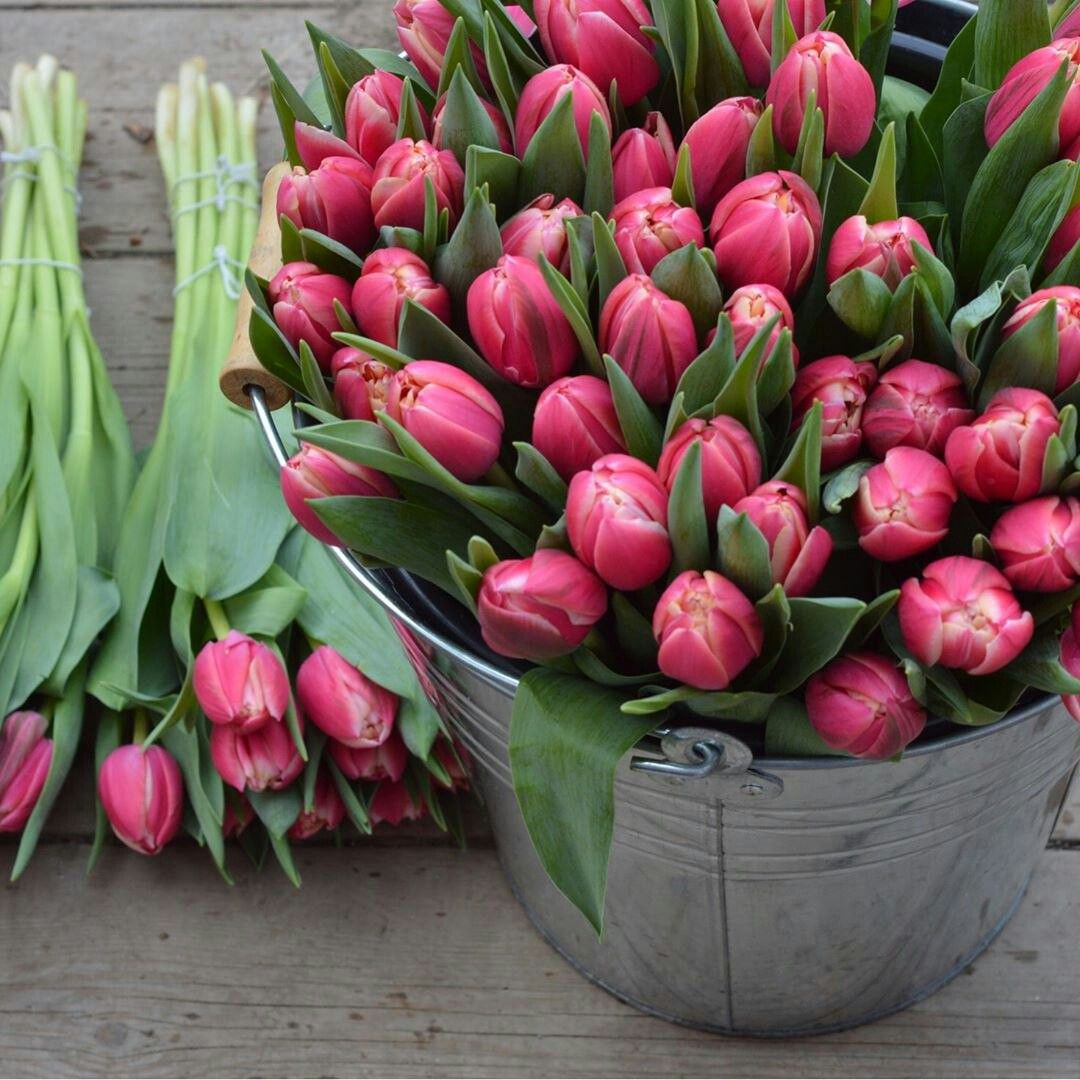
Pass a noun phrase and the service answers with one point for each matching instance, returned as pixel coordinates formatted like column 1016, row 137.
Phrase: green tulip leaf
column 610, row 268
column 539, row 475
column 862, row 301
column 803, row 464
column 1005, row 32
column 742, row 553
column 789, row 733
column 553, row 163
column 701, row 383
column 599, row 181
column 687, row 526
column 1028, row 357
column 640, row 428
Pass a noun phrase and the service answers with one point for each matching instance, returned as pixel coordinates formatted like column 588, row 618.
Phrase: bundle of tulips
column 710, row 367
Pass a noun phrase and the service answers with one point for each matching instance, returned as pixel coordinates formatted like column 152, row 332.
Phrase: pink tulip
column 240, row 681
column 343, row 702
column 862, row 704
column 454, row 758
column 1069, row 26
column 327, row 811
column 574, row 424
column 386, row 761
column 1067, row 300
column 390, row 277
column 885, row 249
column 142, row 795
column 915, row 404
column 649, row 225
column 361, row 383
column 520, row 18
column 1066, row 237
column 962, row 614
column 822, row 63
column 398, row 183
column 602, row 38
column 334, row 199
column 302, row 300
column 495, row 115
column 540, row 229
column 999, row 457
column 649, row 335
column 904, row 505
column 266, row 760
column 423, row 29
column 1023, row 84
column 798, row 554
column 1070, row 660
column 766, row 230
column 707, row 629
column 749, row 26
column 25, row 757
column 314, row 473
column 752, row 307
column 616, row 518
column 450, row 414
column 643, row 157
column 540, row 607
column 372, row 112
column 842, row 386
column 1038, row 544
column 730, row 461
column 545, row 90
column 394, row 803
column 315, row 144
column 517, row 323
column 718, row 142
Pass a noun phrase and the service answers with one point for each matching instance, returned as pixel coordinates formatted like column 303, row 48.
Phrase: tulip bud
column 1038, row 544
column 398, row 188
column 999, row 457
column 574, row 424
column 1065, row 239
column 841, row 385
column 649, row 225
column 545, row 90
column 862, row 704
column 240, row 681
column 450, row 414
column 823, row 63
column 315, row 144
column 540, row 607
column 962, row 614
column 752, row 307
column 423, row 29
column 798, row 554
column 390, row 277
column 718, row 142
column 766, row 230
column 707, row 629
column 314, row 473
column 265, row 760
column 1028, row 78
column 361, row 383
column 904, row 504
column 540, row 229
column 394, row 803
column 454, row 758
column 372, row 112
column 1070, row 660
column 1067, row 300
column 643, row 157
column 915, row 404
column 342, row 701
column 649, row 335
column 604, row 39
column 730, row 461
column 302, row 299
column 142, row 795
column 749, row 27
column 25, row 757
column 518, row 325
column 334, row 200
column 327, row 811
column 495, row 115
column 386, row 761
column 884, row 249
column 616, row 518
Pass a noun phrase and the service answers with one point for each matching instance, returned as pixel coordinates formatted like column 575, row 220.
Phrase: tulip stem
column 142, row 727
column 219, row 621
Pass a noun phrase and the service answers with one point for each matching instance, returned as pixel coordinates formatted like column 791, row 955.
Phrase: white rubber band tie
column 56, row 264
column 33, row 154
column 224, row 176
column 222, row 262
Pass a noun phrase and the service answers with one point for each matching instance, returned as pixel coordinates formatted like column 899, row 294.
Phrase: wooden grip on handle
column 242, row 368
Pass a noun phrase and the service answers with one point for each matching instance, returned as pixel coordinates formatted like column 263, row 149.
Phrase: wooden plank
column 419, row 962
